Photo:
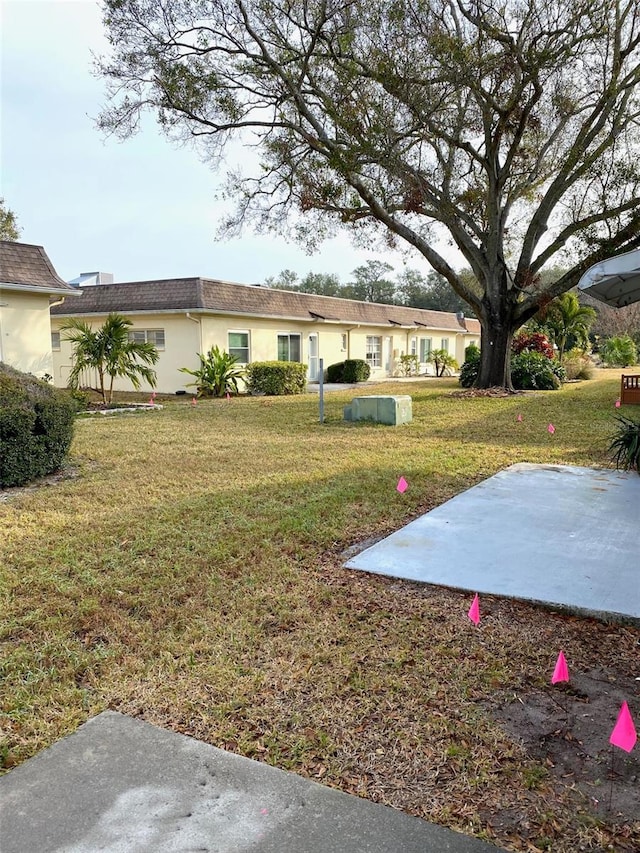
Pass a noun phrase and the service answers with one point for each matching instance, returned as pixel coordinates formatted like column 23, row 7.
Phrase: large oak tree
column 511, row 124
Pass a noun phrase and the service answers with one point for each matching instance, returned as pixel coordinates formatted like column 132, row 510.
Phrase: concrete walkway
column 550, row 534
column 119, row 785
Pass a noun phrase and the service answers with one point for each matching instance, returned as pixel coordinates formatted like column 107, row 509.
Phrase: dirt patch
column 496, row 391
column 566, row 728
column 68, row 472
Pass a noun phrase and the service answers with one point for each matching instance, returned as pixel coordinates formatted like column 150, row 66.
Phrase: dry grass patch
column 192, row 575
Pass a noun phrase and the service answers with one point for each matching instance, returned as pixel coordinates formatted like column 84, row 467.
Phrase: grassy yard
column 191, row 574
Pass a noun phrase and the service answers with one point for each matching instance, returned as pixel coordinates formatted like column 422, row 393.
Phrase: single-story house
column 187, row 316
column 29, row 286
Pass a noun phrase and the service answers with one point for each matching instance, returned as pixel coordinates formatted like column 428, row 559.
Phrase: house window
column 289, row 347
column 239, row 346
column 55, row 340
column 444, row 344
column 344, row 342
column 413, row 346
column 374, row 350
column 148, row 336
column 426, row 345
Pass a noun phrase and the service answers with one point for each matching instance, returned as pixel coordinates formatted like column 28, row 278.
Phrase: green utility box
column 390, row 410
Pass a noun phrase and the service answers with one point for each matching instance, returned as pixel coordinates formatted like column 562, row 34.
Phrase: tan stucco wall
column 185, row 337
column 182, row 342
column 25, row 332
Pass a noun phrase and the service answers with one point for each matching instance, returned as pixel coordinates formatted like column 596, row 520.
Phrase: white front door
column 313, row 357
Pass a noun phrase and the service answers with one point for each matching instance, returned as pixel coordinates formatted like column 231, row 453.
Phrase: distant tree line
column 374, row 282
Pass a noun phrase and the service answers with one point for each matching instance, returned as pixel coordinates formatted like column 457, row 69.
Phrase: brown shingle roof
column 25, row 265
column 221, row 297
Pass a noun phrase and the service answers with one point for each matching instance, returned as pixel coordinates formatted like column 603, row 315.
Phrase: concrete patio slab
column 119, row 785
column 556, row 535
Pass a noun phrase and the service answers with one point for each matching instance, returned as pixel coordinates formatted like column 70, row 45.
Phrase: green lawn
column 191, row 574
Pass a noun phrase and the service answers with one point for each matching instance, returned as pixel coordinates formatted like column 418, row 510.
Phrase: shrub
column 619, row 351
column 471, row 366
column 535, row 372
column 335, row 371
column 355, row 370
column 275, row 378
column 577, row 365
column 408, row 365
column 532, row 342
column 625, row 444
column 36, row 427
column 217, row 375
column 351, row 370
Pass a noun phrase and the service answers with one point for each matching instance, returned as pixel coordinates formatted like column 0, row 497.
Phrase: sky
column 140, row 209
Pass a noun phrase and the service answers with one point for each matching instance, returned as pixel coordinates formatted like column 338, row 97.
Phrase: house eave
column 32, row 288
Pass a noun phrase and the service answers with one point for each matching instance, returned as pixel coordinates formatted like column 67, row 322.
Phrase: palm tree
column 564, row 318
column 109, row 351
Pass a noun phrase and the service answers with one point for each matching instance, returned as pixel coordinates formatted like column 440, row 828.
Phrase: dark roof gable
column 222, row 297
column 24, row 265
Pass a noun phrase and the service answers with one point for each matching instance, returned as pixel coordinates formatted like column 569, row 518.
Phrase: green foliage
column 36, row 427
column 276, row 378
column 442, row 361
column 335, row 371
column 619, row 351
column 408, row 365
column 566, row 322
column 110, row 353
column 355, row 370
column 217, row 374
column 351, row 370
column 535, row 372
column 9, row 229
column 471, row 366
column 625, row 444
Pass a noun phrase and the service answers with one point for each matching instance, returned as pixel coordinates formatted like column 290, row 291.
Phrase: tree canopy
column 9, row 229
column 511, row 124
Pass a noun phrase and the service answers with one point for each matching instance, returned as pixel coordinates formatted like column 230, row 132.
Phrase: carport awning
column 616, row 281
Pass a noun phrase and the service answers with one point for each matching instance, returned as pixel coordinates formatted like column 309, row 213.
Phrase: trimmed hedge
column 351, row 370
column 36, row 427
column 276, row 378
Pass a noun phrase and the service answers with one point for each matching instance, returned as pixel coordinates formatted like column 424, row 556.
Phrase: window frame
column 55, row 347
column 289, row 335
column 247, row 348
column 146, row 333
column 373, row 351
column 426, row 348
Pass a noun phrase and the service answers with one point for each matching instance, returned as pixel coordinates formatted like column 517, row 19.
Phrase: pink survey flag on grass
column 551, row 429
column 617, row 404
column 402, row 485
column 474, row 610
column 561, row 672
column 624, row 732
column 194, row 401
column 519, row 418
column 228, row 396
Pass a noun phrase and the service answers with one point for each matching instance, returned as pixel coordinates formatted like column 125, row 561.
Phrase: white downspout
column 196, row 320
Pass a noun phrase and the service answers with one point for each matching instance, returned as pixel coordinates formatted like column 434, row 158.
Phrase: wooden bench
column 630, row 389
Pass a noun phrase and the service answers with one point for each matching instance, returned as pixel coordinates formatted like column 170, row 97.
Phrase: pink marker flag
column 474, row 610
column 617, row 404
column 228, row 396
column 624, row 732
column 519, row 419
column 551, row 429
column 402, row 485
column 193, row 401
column 561, row 672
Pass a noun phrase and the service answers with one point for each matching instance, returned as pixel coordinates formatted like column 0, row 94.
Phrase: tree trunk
column 495, row 361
